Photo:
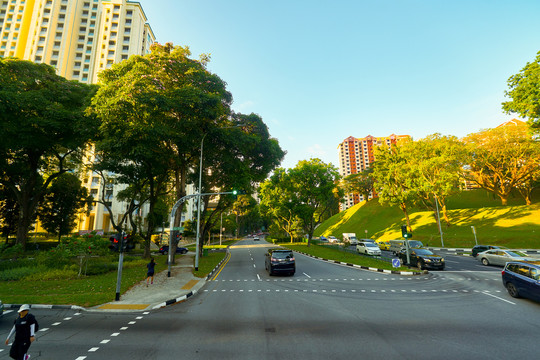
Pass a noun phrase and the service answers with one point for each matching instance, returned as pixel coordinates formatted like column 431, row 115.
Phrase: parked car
column 501, row 257
column 481, row 248
column 179, row 250
column 280, row 261
column 332, row 239
column 323, row 239
column 256, row 238
column 383, row 244
column 522, row 279
column 368, row 248
column 422, row 259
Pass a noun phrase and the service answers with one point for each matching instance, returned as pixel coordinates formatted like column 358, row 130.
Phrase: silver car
column 501, row 257
column 368, row 248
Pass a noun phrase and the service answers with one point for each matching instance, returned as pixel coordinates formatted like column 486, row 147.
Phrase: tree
column 278, row 201
column 63, row 200
column 301, row 196
column 436, row 167
column 524, row 90
column 44, row 130
column 361, row 183
column 394, row 178
column 502, row 159
column 315, row 187
column 9, row 213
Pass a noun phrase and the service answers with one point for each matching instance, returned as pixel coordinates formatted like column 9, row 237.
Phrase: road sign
column 178, row 228
column 396, row 263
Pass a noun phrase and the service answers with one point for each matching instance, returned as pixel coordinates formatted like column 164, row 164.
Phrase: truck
column 350, row 238
column 397, row 245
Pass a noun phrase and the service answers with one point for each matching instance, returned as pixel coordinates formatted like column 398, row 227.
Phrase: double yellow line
column 222, row 266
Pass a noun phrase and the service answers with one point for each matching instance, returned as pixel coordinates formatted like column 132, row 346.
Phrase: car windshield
column 415, row 244
column 281, row 254
column 516, row 254
column 423, row 252
column 371, row 245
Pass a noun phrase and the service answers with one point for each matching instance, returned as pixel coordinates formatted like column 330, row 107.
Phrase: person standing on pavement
column 24, row 329
column 150, row 273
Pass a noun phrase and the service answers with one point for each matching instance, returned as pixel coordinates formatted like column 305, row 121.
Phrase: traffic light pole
column 173, row 215
column 120, row 239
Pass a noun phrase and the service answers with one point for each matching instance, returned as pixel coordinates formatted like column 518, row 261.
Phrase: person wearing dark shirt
column 150, row 273
column 24, row 329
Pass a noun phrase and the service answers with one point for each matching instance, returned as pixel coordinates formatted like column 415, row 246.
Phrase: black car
column 480, row 248
column 179, row 250
column 280, row 261
column 423, row 259
column 522, row 279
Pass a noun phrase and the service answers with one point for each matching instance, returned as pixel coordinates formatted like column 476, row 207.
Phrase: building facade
column 356, row 155
column 79, row 38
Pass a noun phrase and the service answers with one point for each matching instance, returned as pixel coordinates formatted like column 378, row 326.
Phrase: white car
column 368, row 248
column 332, row 239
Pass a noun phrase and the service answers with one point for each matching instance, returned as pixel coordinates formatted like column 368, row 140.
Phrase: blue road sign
column 396, row 263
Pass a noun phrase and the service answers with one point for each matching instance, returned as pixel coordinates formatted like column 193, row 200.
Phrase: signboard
column 396, row 263
column 178, row 228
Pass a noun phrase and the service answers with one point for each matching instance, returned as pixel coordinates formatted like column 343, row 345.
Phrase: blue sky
column 320, row 71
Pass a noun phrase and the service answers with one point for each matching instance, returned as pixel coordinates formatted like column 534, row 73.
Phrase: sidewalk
column 164, row 291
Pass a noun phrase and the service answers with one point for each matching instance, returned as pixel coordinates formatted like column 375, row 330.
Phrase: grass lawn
column 90, row 291
column 515, row 226
column 346, row 257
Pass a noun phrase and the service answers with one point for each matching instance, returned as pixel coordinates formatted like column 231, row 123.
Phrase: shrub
column 12, row 252
column 18, row 273
column 52, row 274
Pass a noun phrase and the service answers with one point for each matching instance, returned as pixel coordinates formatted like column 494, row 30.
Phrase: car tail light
column 502, row 272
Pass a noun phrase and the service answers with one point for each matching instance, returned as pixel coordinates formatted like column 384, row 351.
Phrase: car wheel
column 419, row 265
column 485, row 261
column 184, row 252
column 512, row 290
column 165, row 252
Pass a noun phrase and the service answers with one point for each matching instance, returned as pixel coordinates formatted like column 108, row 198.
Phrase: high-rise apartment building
column 78, row 37
column 355, row 156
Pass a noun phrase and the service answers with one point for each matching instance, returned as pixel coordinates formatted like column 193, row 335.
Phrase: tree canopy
column 44, row 131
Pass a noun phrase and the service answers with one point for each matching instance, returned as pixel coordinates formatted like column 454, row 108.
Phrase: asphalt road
column 325, row 311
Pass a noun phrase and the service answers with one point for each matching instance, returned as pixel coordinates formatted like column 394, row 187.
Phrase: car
column 179, row 250
column 322, row 239
column 522, row 279
column 481, row 248
column 422, row 259
column 256, row 238
column 368, row 248
column 332, row 239
column 500, row 257
column 383, row 244
column 280, row 261
column 1, row 308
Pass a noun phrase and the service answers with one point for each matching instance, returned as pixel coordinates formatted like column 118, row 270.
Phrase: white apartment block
column 79, row 38
column 356, row 155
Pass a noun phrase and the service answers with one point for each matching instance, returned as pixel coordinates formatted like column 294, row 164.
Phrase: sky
column 319, row 71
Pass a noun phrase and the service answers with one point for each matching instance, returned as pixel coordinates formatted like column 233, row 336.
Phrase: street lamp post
column 199, row 207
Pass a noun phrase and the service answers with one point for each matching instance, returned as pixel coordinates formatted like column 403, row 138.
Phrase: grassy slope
column 515, row 225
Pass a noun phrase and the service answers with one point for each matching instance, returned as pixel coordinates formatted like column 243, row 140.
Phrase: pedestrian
column 150, row 273
column 24, row 328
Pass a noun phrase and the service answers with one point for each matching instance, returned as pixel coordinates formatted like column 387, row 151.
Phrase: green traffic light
column 235, row 192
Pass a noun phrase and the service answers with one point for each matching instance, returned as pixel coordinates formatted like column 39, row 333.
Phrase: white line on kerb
column 510, row 302
column 307, row 275
column 258, row 277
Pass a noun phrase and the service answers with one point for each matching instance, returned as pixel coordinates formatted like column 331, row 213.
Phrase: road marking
column 138, row 318
column 124, row 328
column 105, row 341
column 44, row 329
column 94, row 349
column 81, row 358
column 510, row 302
column 115, row 334
column 56, row 323
column 132, row 322
column 307, row 275
column 68, row 318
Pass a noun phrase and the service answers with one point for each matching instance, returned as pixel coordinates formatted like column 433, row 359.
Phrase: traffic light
column 405, row 232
